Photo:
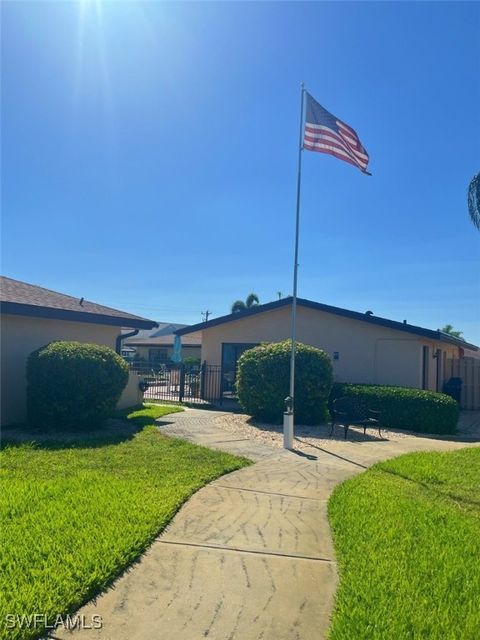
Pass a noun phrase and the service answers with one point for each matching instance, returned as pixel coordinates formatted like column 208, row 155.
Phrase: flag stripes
column 325, row 133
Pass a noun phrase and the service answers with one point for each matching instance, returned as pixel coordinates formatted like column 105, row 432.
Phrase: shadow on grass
column 113, row 431
column 432, row 488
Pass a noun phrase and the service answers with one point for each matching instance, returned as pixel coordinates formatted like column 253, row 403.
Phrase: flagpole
column 288, row 416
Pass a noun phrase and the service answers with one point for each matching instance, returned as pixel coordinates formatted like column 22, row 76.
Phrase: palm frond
column 448, row 329
column 252, row 300
column 238, row 306
column 474, row 200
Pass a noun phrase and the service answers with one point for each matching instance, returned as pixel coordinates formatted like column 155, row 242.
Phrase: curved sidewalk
column 248, row 557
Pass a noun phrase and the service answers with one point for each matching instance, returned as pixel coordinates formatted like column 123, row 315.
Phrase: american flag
column 327, row 134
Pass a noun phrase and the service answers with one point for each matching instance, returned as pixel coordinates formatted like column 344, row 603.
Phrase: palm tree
column 448, row 328
column 252, row 300
column 238, row 306
column 474, row 200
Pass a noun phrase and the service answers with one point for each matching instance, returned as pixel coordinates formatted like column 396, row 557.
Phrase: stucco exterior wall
column 20, row 335
column 367, row 353
column 131, row 395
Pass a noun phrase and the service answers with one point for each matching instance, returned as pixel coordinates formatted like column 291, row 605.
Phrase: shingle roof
column 162, row 329
column 163, row 341
column 356, row 315
column 21, row 298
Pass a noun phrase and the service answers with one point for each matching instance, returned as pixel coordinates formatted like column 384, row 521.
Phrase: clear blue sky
column 149, row 155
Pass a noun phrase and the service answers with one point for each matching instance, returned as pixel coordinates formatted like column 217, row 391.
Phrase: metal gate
column 198, row 384
column 468, row 369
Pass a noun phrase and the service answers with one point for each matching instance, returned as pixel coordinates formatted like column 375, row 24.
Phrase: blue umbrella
column 177, row 350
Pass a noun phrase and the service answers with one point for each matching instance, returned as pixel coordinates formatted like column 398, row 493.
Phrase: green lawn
column 407, row 538
column 75, row 513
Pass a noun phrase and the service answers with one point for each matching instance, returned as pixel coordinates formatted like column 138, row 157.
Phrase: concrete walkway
column 250, row 556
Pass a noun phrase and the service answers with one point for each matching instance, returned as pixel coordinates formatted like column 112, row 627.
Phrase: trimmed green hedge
column 73, row 384
column 263, row 375
column 404, row 408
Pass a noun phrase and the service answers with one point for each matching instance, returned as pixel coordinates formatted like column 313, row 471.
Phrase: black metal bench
column 346, row 412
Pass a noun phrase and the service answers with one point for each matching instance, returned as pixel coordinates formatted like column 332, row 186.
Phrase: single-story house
column 31, row 317
column 128, row 353
column 156, row 345
column 364, row 348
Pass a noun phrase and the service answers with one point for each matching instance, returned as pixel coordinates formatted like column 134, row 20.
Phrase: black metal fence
column 198, row 384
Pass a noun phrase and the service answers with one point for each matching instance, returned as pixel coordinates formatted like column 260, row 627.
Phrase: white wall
column 131, row 395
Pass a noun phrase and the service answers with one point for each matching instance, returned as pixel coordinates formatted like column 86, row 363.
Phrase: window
column 231, row 352
column 158, row 355
column 425, row 366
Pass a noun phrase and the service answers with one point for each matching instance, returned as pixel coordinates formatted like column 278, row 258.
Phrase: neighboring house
column 128, row 353
column 156, row 346
column 363, row 347
column 31, row 317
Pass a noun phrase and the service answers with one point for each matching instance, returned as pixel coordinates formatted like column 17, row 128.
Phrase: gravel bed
column 243, row 426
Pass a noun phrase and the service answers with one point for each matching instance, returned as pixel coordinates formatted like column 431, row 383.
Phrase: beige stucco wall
column 368, row 353
column 20, row 335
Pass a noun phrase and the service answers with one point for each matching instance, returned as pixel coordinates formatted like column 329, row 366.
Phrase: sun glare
column 91, row 43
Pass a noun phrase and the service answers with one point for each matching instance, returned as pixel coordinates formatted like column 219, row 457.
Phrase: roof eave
column 457, row 342
column 231, row 317
column 14, row 308
column 355, row 315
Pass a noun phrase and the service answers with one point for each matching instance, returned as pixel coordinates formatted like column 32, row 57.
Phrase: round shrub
column 263, row 378
column 73, row 385
column 404, row 407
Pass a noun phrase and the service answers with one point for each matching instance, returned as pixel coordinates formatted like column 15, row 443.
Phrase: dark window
column 425, row 367
column 231, row 352
column 158, row 355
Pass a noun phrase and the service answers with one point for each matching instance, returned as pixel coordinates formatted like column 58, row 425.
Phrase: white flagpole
column 288, row 416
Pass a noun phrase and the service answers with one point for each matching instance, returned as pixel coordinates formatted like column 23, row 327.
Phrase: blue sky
column 149, row 155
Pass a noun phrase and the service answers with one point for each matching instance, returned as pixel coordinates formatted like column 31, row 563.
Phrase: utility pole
column 205, row 315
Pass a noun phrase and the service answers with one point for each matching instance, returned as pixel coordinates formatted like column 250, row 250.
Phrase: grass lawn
column 75, row 513
column 407, row 538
